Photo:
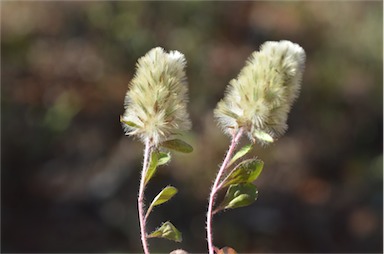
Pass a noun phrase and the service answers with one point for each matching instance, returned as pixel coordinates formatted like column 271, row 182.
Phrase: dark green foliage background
column 69, row 176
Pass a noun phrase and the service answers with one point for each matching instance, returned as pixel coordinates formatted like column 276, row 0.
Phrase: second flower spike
column 156, row 102
column 260, row 98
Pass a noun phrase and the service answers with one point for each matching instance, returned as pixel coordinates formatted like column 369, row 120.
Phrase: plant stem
column 140, row 199
column 235, row 139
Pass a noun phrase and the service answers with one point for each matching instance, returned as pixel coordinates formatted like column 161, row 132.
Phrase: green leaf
column 166, row 194
column 263, row 136
column 243, row 151
column 177, row 145
column 153, row 163
column 239, row 195
column 129, row 123
column 157, row 159
column 246, row 172
column 168, row 231
column 164, row 158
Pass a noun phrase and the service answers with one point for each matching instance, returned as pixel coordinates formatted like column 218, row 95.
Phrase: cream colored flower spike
column 156, row 102
column 260, row 99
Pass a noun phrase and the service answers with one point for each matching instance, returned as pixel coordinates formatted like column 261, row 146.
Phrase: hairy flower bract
column 156, row 102
column 260, row 98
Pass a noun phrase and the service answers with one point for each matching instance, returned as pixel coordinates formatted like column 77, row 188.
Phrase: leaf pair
column 241, row 191
column 245, row 172
column 168, row 231
column 160, row 158
column 238, row 195
column 157, row 159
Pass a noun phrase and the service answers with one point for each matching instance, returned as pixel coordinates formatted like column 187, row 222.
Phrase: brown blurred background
column 69, row 176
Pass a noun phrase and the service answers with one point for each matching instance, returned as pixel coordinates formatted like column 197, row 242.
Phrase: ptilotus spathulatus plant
column 256, row 104
column 156, row 113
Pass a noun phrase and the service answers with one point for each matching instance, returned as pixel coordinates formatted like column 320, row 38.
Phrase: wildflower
column 156, row 102
column 260, row 99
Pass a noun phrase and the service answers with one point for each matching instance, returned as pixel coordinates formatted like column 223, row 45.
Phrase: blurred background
column 69, row 176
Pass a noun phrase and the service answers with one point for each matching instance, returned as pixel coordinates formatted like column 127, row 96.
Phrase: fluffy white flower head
column 156, row 102
column 260, row 98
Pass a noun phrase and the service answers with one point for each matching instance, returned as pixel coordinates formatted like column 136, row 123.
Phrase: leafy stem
column 152, row 159
column 235, row 140
column 140, row 200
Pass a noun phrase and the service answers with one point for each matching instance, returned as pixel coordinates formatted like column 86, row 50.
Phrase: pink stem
column 140, row 199
column 235, row 139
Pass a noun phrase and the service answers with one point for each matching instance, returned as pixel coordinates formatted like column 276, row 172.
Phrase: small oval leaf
column 157, row 159
column 246, row 172
column 168, row 231
column 153, row 163
column 263, row 136
column 239, row 195
column 164, row 158
column 166, row 194
column 177, row 145
column 243, row 151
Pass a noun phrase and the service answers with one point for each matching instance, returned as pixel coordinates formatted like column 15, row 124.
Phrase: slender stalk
column 140, row 199
column 235, row 139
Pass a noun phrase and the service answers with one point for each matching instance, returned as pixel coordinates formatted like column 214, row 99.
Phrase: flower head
column 156, row 102
column 260, row 98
